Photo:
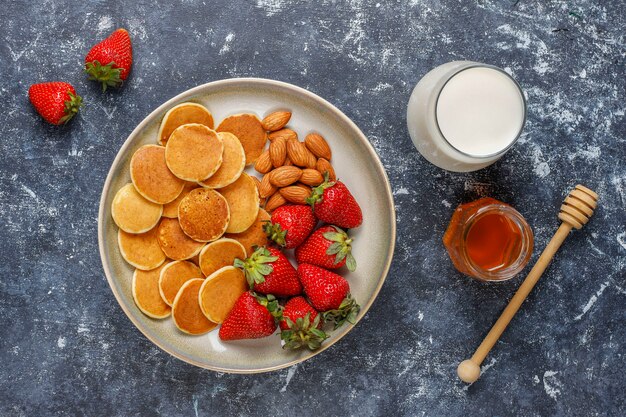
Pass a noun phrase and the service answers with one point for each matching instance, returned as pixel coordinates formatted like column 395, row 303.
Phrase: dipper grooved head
column 578, row 206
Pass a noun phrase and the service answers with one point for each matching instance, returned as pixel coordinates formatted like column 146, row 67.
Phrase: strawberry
column 328, row 247
column 290, row 225
column 301, row 325
column 57, row 102
column 330, row 293
column 268, row 271
column 332, row 203
column 250, row 318
column 110, row 60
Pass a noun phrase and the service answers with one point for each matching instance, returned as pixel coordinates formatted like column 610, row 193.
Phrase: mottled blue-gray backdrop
column 66, row 346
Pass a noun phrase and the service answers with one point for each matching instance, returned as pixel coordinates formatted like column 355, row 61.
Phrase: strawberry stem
column 257, row 266
column 71, row 107
column 275, row 233
column 341, row 247
column 347, row 311
column 318, row 192
column 303, row 333
column 107, row 74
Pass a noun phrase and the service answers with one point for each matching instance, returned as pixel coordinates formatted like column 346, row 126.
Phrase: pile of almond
column 290, row 167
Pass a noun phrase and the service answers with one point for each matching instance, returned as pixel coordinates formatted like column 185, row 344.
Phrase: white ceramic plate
column 355, row 163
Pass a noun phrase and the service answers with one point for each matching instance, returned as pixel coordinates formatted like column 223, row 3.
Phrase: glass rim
column 524, row 106
column 525, row 252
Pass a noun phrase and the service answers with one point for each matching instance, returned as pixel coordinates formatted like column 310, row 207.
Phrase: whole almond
column 275, row 201
column 284, row 176
column 324, row 166
column 266, row 188
column 306, row 188
column 318, row 145
column 298, row 153
column 311, row 161
column 264, row 163
column 276, row 121
column 311, row 177
column 288, row 134
column 295, row 194
column 278, row 152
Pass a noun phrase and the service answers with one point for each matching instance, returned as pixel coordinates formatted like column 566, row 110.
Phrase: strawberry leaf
column 303, row 333
column 334, row 248
column 347, row 312
column 107, row 74
column 257, row 266
column 350, row 262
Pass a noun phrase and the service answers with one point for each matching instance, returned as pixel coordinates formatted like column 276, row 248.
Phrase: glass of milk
column 464, row 115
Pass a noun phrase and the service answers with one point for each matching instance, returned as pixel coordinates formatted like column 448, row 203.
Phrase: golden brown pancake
column 219, row 292
column 170, row 209
column 203, row 214
column 220, row 253
column 233, row 163
column 183, row 114
column 194, row 152
column 173, row 276
column 151, row 176
column 174, row 242
column 243, row 203
column 248, row 129
column 145, row 288
column 254, row 235
column 141, row 251
column 186, row 312
column 132, row 213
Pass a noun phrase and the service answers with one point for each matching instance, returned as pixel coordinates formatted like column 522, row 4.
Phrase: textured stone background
column 67, row 348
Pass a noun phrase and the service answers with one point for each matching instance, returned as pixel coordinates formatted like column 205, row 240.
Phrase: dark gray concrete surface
column 66, row 348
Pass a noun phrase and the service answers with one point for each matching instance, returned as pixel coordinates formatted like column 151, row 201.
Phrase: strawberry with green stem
column 301, row 325
column 328, row 247
column 57, row 102
column 290, row 225
column 268, row 271
column 110, row 60
column 329, row 293
column 333, row 203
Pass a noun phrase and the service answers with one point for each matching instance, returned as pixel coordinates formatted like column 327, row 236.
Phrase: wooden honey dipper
column 576, row 210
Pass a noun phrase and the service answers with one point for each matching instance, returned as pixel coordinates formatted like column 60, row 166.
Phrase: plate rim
column 196, row 91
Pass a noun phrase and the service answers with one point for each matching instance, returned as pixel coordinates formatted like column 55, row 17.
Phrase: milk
column 463, row 115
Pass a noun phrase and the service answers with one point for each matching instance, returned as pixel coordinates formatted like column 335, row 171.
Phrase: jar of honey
column 488, row 240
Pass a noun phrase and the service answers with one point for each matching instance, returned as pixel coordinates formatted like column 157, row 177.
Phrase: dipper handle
column 576, row 209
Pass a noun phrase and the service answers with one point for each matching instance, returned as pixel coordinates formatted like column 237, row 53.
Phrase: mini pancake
column 219, row 292
column 203, row 215
column 141, row 251
column 233, row 163
column 151, row 176
column 249, row 130
column 181, row 115
column 145, row 288
column 254, row 235
column 132, row 213
column 194, row 152
column 173, row 276
column 243, row 202
column 170, row 209
column 186, row 312
column 220, row 253
column 174, row 242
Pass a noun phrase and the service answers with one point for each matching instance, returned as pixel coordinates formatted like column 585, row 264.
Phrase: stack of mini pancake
column 188, row 213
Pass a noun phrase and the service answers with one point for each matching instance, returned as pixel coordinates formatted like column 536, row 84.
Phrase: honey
column 488, row 240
